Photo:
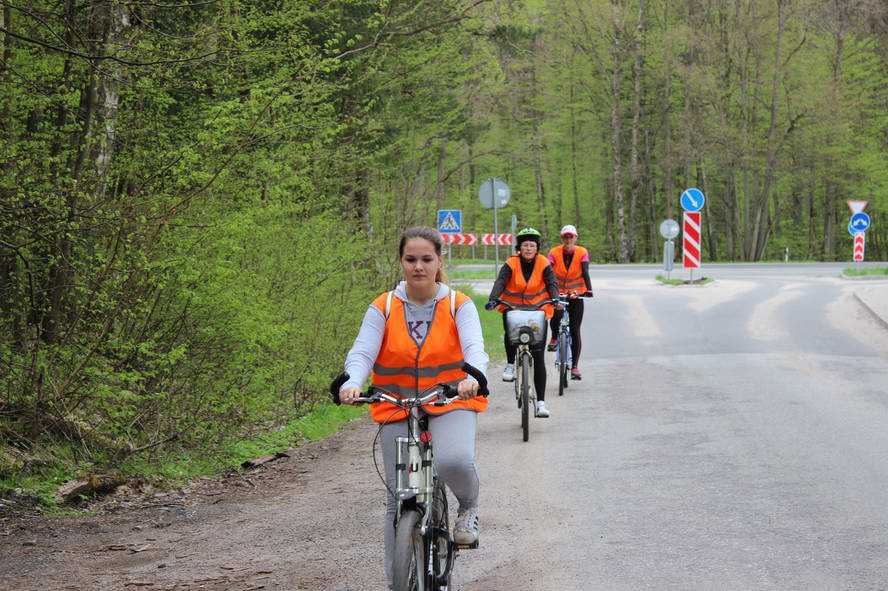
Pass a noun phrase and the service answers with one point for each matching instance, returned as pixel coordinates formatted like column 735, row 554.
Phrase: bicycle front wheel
column 525, row 396
column 409, row 566
column 563, row 354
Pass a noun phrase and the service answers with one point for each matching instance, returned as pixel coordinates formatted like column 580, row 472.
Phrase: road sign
column 691, row 251
column 857, row 206
column 860, row 222
column 449, row 221
column 692, row 199
column 487, row 189
column 492, row 239
column 669, row 229
column 859, row 246
column 460, row 239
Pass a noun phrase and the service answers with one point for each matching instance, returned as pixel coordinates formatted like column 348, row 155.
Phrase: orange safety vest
column 569, row 279
column 405, row 368
column 522, row 293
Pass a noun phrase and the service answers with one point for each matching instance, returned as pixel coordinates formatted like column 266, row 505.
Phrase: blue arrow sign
column 692, row 199
column 449, row 221
column 860, row 222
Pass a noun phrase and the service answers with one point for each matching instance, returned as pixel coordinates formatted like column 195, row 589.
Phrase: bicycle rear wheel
column 563, row 363
column 525, row 396
column 409, row 565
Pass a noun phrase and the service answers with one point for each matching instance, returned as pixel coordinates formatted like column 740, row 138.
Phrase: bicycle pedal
column 472, row 546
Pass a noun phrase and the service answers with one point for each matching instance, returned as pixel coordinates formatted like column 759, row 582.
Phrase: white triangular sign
column 857, row 206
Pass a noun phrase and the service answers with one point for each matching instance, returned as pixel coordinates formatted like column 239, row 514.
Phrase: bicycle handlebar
column 377, row 394
column 512, row 306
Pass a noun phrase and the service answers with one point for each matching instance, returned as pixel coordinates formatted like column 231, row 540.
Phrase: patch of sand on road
column 847, row 315
column 764, row 323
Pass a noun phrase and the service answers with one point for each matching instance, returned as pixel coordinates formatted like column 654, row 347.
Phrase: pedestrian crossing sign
column 450, row 221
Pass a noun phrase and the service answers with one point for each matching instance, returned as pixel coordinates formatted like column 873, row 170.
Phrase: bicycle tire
column 562, row 366
column 442, row 560
column 525, row 396
column 409, row 556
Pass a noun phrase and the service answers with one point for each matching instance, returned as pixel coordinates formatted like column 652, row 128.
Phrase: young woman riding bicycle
column 526, row 279
column 409, row 340
column 571, row 265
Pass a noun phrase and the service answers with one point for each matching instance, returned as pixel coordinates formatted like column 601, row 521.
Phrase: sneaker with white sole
column 509, row 373
column 465, row 530
column 541, row 410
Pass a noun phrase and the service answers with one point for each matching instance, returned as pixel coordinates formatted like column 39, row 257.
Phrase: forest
column 198, row 198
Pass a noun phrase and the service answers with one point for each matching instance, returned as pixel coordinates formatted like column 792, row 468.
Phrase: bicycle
column 563, row 349
column 525, row 327
column 563, row 355
column 424, row 546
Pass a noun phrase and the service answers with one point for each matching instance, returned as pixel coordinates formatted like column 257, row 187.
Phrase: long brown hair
column 431, row 235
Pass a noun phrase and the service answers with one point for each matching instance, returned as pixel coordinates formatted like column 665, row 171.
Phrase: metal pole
column 495, row 224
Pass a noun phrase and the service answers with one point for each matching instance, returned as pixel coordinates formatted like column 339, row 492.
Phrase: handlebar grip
column 482, row 381
column 336, row 385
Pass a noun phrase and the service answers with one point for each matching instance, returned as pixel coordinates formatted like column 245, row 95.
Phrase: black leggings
column 538, row 352
column 575, row 309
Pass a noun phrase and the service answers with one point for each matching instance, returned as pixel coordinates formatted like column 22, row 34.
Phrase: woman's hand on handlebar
column 348, row 395
column 467, row 389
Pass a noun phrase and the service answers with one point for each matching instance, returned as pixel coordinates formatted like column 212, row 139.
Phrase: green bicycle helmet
column 525, row 234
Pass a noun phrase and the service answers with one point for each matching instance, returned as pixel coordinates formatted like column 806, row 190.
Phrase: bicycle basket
column 533, row 319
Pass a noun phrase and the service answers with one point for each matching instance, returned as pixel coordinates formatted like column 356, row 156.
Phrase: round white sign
column 669, row 229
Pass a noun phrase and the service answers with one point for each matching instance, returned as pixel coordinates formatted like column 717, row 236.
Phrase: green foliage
column 491, row 323
column 864, row 271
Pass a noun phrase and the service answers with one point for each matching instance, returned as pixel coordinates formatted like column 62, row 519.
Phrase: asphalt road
column 727, row 436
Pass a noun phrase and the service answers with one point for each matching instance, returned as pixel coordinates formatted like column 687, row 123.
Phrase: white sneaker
column 541, row 410
column 509, row 373
column 465, row 530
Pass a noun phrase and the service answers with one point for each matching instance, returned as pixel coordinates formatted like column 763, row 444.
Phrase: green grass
column 176, row 467
column 471, row 274
column 491, row 324
column 854, row 272
column 674, row 281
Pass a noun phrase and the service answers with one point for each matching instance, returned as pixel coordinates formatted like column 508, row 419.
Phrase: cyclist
column 411, row 338
column 526, row 278
column 571, row 265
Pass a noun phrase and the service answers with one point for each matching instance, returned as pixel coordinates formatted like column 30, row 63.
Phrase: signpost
column 692, row 201
column 860, row 222
column 668, row 230
column 494, row 194
column 859, row 246
column 449, row 221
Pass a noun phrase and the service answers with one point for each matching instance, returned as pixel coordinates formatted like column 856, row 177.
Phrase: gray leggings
column 453, row 435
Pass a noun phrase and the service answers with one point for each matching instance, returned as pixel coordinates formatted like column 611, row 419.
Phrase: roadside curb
column 869, row 308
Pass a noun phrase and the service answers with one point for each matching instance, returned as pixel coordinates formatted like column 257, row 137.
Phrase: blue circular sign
column 860, row 222
column 692, row 199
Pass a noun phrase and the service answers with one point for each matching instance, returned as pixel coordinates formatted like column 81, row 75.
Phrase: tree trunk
column 634, row 172
column 616, row 145
column 573, row 144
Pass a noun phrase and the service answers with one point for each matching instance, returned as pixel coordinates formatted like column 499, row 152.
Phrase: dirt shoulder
column 289, row 524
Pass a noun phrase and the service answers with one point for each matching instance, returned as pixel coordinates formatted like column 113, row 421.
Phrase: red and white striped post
column 692, row 251
column 859, row 246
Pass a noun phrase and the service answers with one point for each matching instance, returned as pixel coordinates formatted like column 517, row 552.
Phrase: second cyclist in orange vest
column 571, row 265
column 527, row 279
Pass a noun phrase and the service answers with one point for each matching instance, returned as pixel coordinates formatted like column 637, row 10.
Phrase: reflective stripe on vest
column 404, row 368
column 569, row 278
